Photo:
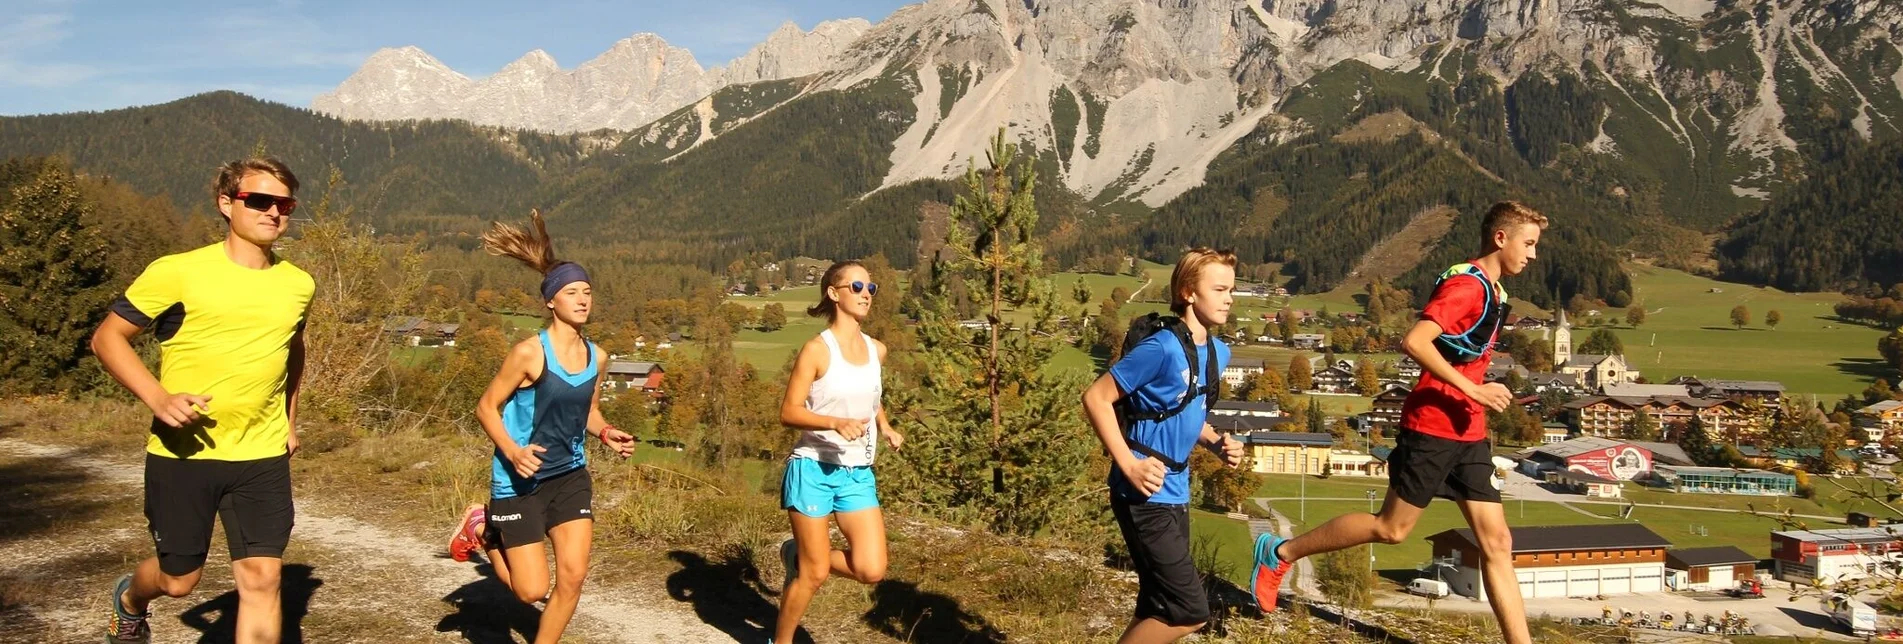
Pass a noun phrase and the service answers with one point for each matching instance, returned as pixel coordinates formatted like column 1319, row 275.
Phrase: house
column 418, row 332
column 1243, row 424
column 1240, row 367
column 975, row 324
column 1348, row 462
column 1665, row 453
column 1567, row 383
column 1584, row 483
column 1724, row 480
column 1309, row 341
column 1498, row 372
column 630, row 375
column 1607, row 416
column 1603, row 458
column 1562, row 561
column 1387, row 409
column 1551, row 433
column 1334, row 380
column 1831, row 556
column 1708, row 569
column 1885, row 417
column 1636, row 390
column 1263, row 409
column 1410, row 369
column 1288, row 452
column 1769, row 394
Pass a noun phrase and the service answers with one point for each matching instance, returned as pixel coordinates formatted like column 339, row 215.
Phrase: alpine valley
column 1313, row 134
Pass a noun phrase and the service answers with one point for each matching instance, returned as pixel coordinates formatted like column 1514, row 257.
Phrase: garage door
column 1551, row 584
column 1526, row 584
column 1583, row 583
column 1721, row 578
column 1615, row 581
column 1645, row 579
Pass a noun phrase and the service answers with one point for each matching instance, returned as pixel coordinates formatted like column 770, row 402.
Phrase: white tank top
column 846, row 391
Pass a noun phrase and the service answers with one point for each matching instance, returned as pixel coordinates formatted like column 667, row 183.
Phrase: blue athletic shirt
column 1156, row 374
column 551, row 412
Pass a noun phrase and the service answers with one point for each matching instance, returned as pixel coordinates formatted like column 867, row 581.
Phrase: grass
column 1687, row 331
column 1747, row 532
column 1439, row 516
column 1230, row 537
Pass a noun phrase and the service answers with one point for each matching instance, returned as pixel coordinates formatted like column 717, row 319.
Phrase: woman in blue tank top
column 540, row 411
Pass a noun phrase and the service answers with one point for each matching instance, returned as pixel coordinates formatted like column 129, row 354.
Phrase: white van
column 1428, row 587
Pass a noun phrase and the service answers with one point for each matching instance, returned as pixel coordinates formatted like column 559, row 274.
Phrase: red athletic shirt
column 1437, row 408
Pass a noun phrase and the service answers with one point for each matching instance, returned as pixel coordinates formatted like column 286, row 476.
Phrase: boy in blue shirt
column 1161, row 393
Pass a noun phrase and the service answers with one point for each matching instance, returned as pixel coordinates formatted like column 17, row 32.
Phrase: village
column 1586, row 457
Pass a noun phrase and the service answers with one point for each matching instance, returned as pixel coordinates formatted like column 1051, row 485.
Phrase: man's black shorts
column 1169, row 589
column 183, row 497
column 526, row 519
column 1423, row 467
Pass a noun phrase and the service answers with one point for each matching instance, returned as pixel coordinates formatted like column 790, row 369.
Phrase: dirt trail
column 345, row 579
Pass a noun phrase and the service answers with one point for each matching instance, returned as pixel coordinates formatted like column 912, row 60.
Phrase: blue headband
column 562, row 275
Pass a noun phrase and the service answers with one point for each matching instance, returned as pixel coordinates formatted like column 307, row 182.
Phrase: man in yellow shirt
column 229, row 318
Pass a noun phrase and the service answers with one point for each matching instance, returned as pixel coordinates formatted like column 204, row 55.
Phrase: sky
column 77, row 55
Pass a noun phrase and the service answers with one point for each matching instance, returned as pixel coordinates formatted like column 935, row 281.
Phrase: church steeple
column 1562, row 339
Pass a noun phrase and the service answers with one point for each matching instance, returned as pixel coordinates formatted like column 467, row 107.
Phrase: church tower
column 1562, row 341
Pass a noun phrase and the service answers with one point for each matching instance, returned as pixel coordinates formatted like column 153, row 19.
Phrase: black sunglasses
column 861, row 287
column 262, row 202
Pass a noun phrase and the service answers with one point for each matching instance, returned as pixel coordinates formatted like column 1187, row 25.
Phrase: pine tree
column 53, row 282
column 995, row 438
column 1642, row 427
column 1695, row 438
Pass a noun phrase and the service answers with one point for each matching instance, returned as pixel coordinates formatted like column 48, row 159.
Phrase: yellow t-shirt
column 224, row 331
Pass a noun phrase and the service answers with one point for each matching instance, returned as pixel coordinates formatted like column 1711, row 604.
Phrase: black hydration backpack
column 1129, row 412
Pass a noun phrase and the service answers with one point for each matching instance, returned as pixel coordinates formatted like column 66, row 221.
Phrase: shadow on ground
column 487, row 612
column 216, row 619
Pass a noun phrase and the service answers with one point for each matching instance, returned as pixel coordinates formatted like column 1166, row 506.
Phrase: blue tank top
column 551, row 412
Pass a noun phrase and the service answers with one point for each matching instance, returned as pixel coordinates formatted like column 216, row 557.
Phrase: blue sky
column 71, row 55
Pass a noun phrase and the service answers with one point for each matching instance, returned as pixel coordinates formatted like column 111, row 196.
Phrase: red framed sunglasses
column 263, row 202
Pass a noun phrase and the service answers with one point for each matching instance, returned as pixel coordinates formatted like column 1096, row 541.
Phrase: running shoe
column 467, row 541
column 1269, row 570
column 790, row 559
column 124, row 627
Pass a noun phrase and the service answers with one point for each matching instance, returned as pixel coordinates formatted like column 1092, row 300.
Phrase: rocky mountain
column 1303, row 133
column 636, row 81
column 1137, row 97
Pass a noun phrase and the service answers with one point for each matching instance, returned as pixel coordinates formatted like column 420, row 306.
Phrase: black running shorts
column 182, row 498
column 1423, row 467
column 527, row 518
column 1169, row 589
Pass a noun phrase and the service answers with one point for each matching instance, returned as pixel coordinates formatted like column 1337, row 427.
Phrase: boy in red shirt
column 1442, row 449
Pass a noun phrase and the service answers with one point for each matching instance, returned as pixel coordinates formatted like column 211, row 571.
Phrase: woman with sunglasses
column 832, row 398
column 540, row 411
